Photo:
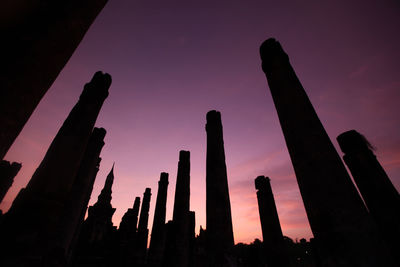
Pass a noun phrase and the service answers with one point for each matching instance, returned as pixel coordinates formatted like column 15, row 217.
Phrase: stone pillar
column 39, row 206
column 158, row 233
column 143, row 231
column 39, row 37
column 192, row 237
column 336, row 213
column 219, row 231
column 7, row 173
column 180, row 242
column 78, row 200
column 378, row 192
column 271, row 229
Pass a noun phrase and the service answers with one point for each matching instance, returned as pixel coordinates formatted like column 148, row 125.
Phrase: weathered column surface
column 219, row 231
column 336, row 213
column 378, row 192
column 39, row 38
column 38, row 207
column 271, row 229
column 7, row 173
column 158, row 232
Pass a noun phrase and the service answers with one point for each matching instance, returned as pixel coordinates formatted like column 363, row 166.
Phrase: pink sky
column 172, row 62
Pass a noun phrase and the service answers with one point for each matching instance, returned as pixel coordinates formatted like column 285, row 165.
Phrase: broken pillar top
column 184, row 155
column 136, row 204
column 147, row 191
column 97, row 87
column 353, row 141
column 163, row 178
column 99, row 132
column 261, row 182
column 272, row 55
column 213, row 119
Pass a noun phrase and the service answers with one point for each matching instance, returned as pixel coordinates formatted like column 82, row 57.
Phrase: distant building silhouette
column 336, row 213
column 378, row 192
column 271, row 229
column 38, row 45
column 127, row 236
column 30, row 224
column 158, row 232
column 7, row 173
column 219, row 233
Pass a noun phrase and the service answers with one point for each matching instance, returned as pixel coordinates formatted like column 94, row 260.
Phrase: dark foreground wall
column 38, row 39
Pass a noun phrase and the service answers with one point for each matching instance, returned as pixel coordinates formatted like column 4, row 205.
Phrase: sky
column 173, row 61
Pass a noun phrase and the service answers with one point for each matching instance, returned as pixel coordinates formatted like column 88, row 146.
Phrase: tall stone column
column 7, row 173
column 158, row 233
column 271, row 229
column 337, row 216
column 38, row 39
column 180, row 241
column 39, row 206
column 143, row 231
column 78, row 199
column 378, row 192
column 219, row 231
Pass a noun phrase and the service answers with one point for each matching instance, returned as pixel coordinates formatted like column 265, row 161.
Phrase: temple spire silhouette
column 95, row 239
column 339, row 221
column 271, row 229
column 30, row 222
column 39, row 44
column 219, row 233
column 378, row 192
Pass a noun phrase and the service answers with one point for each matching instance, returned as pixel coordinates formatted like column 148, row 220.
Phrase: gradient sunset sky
column 173, row 61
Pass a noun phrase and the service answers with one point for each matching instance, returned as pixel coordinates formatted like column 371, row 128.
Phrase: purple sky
column 172, row 61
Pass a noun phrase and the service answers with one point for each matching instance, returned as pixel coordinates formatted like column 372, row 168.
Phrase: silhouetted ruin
column 158, row 232
column 378, row 192
column 29, row 225
column 178, row 241
column 39, row 44
column 7, row 173
column 69, row 225
column 127, row 235
column 46, row 225
column 143, row 231
column 219, row 233
column 270, row 226
column 340, row 223
column 97, row 238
